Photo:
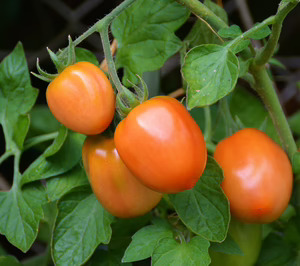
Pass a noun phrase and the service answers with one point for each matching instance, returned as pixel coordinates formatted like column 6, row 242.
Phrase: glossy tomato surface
column 258, row 176
column 82, row 98
column 162, row 145
column 114, row 185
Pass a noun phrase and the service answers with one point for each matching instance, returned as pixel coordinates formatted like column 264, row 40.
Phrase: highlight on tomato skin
column 162, row 145
column 82, row 98
column 258, row 177
column 115, row 187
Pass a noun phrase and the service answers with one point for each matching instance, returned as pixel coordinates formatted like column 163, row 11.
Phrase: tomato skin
column 114, row 185
column 258, row 176
column 162, row 145
column 82, row 98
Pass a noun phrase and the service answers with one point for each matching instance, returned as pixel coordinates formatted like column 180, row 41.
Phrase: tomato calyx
column 126, row 100
column 61, row 62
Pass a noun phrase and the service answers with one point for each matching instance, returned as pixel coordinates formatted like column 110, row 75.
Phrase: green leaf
column 60, row 185
column 239, row 46
column 261, row 34
column 61, row 156
column 205, row 208
column 228, row 246
column 211, row 72
column 17, row 97
column 42, row 121
column 230, row 33
column 21, row 211
column 277, row 63
column 82, row 224
column 145, row 35
column 9, row 261
column 294, row 122
column 84, row 55
column 274, row 252
column 144, row 241
column 168, row 252
column 251, row 111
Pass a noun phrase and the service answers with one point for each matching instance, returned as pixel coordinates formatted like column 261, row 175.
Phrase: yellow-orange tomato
column 258, row 176
column 162, row 145
column 82, row 98
column 114, row 185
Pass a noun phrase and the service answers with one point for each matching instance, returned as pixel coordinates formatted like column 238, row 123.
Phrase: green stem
column 109, row 59
column 17, row 175
column 204, row 12
column 39, row 139
column 264, row 87
column 267, row 52
column 256, row 28
column 207, row 133
column 5, row 155
column 211, row 147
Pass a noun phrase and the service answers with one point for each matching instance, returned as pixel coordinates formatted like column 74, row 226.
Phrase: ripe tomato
column 82, row 98
column 114, row 185
column 162, row 145
column 258, row 176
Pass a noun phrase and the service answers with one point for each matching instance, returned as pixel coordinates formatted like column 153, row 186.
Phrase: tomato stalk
column 204, row 12
column 268, row 50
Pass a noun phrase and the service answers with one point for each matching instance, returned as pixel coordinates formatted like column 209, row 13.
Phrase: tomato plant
column 114, row 185
column 82, row 98
column 258, row 176
column 128, row 101
column 162, row 145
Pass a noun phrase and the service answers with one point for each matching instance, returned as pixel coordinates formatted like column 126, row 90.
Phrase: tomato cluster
column 158, row 148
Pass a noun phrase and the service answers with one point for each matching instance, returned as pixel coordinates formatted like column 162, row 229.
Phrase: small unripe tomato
column 162, row 145
column 249, row 239
column 116, row 188
column 82, row 98
column 258, row 176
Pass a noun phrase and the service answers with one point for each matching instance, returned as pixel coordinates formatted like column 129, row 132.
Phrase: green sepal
column 58, row 64
column 43, row 75
column 127, row 100
column 71, row 52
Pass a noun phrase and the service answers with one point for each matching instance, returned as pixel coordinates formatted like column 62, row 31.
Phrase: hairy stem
column 204, row 12
column 267, row 52
column 109, row 59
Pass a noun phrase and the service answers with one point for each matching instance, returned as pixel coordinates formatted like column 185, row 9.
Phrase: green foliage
column 81, row 225
column 145, row 35
column 208, row 201
column 211, row 72
column 51, row 200
column 170, row 252
column 145, row 240
column 17, row 97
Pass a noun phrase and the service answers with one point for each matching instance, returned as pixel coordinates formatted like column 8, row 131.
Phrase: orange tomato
column 82, row 98
column 258, row 176
column 116, row 188
column 162, row 145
